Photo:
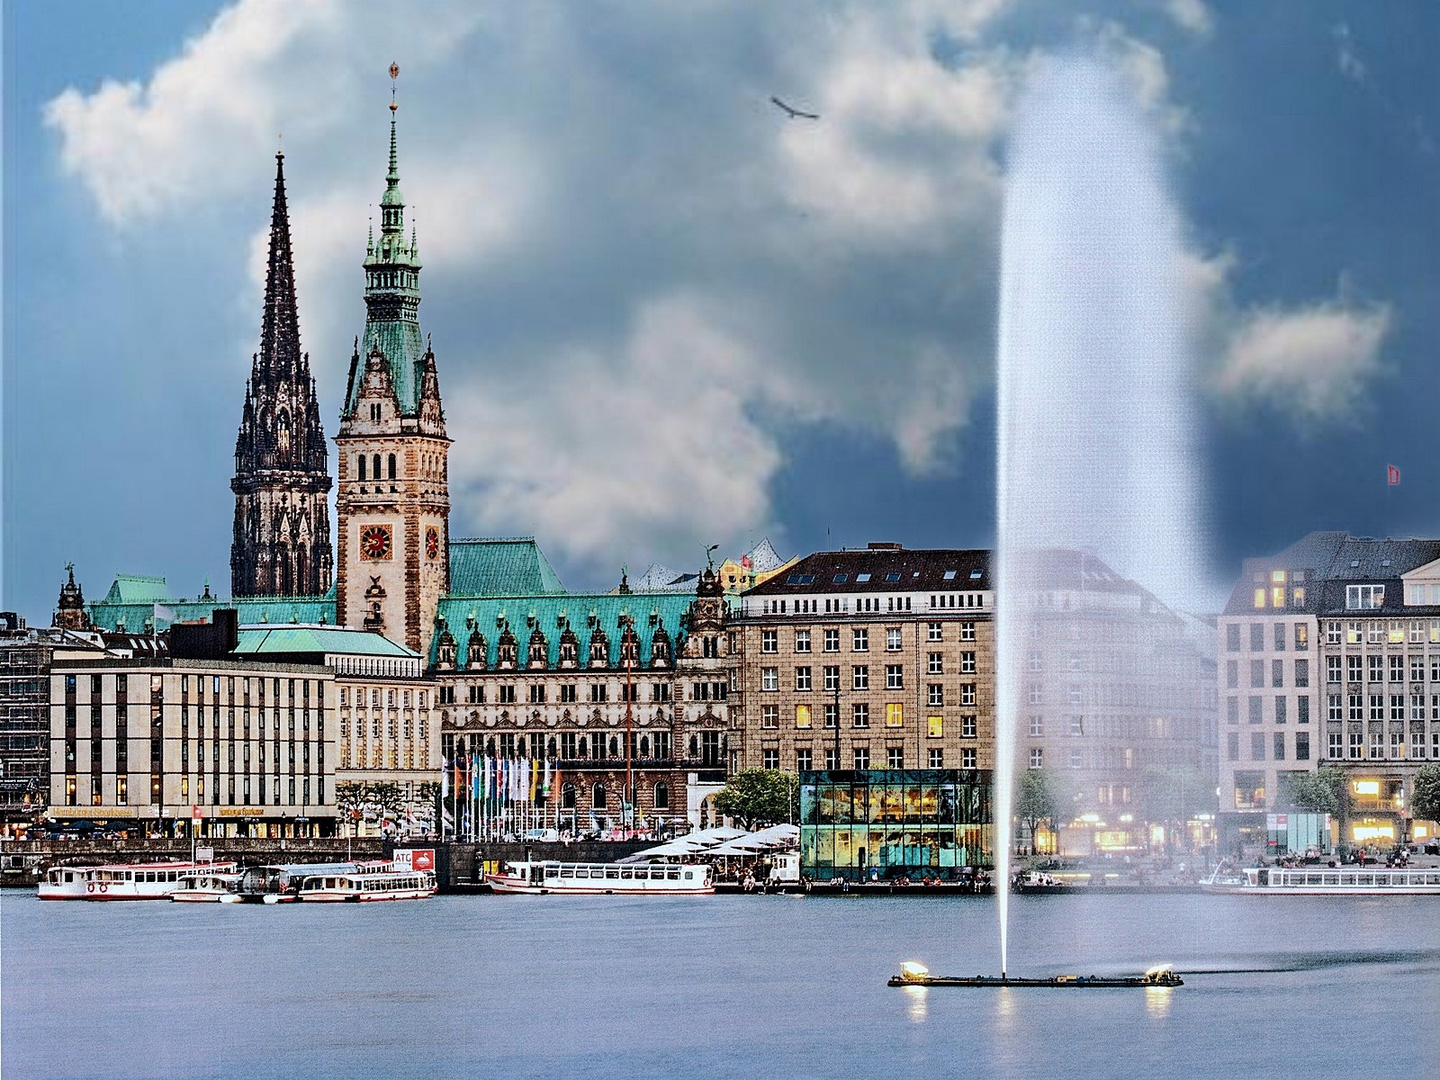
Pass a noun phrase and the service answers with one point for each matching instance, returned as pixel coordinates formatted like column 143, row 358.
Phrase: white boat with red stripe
column 123, row 881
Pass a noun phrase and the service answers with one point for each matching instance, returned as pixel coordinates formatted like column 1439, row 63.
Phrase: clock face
column 432, row 543
column 375, row 542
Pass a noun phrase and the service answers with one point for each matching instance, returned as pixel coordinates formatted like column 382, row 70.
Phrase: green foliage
column 1325, row 791
column 1425, row 802
column 758, row 797
column 1035, row 801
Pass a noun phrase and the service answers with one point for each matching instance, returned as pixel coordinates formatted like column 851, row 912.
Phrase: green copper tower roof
column 392, row 298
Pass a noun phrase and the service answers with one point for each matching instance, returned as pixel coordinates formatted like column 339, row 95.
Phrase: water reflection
column 1005, row 1009
column 917, row 1005
column 1157, row 1001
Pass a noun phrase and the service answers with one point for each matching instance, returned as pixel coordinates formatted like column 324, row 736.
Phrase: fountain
column 1094, row 446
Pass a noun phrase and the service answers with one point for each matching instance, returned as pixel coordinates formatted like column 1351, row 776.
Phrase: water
column 609, row 987
column 1095, row 440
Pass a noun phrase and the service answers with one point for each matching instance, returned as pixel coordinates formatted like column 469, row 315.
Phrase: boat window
column 672, row 875
column 689, row 875
column 627, row 875
column 567, row 873
column 550, row 871
column 612, row 874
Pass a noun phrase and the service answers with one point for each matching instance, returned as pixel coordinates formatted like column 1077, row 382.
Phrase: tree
column 350, row 798
column 1035, row 802
column 1325, row 791
column 1425, row 797
column 756, row 797
column 387, row 800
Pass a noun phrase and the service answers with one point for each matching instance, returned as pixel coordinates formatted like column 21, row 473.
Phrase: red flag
column 1392, row 474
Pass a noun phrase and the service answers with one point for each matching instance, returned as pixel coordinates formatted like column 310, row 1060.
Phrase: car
column 541, row 836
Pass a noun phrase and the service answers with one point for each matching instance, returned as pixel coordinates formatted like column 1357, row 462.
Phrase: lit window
column 935, row 726
column 802, row 716
column 894, row 714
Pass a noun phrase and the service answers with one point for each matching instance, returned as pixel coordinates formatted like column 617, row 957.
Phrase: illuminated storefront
column 889, row 823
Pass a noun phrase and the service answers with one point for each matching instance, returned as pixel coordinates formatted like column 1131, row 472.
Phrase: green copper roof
column 500, row 567
column 583, row 612
column 133, row 598
column 289, row 640
column 137, row 589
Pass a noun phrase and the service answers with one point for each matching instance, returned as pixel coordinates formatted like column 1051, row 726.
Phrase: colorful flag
column 1392, row 474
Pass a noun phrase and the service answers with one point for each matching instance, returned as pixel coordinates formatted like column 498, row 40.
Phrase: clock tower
column 393, row 501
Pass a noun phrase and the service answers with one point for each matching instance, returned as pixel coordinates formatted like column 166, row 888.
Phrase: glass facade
column 888, row 823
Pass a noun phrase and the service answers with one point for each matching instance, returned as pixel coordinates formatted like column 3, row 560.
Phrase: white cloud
column 1314, row 361
column 1346, row 58
column 650, row 439
column 1191, row 15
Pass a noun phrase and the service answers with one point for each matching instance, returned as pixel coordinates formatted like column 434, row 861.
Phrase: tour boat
column 673, row 879
column 1332, row 881
column 122, row 881
column 210, row 887
column 279, row 883
column 367, row 885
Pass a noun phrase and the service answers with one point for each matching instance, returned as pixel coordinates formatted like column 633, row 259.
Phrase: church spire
column 280, row 330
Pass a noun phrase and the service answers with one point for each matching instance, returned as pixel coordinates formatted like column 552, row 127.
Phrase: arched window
column 375, row 461
column 362, row 466
column 598, row 797
column 392, row 466
column 662, row 796
column 567, row 797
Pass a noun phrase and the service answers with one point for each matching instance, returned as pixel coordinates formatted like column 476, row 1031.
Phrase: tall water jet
column 1094, row 444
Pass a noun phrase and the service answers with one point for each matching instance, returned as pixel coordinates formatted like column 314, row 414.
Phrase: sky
column 665, row 314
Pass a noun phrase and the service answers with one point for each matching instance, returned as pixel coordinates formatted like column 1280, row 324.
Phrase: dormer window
column 1364, row 597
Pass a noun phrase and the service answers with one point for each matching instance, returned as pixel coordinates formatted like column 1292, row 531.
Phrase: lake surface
column 725, row 986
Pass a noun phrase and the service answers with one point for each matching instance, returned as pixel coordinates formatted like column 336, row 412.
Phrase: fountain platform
column 912, row 974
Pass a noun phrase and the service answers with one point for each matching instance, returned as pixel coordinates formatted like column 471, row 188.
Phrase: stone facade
column 554, row 687
column 871, row 659
column 393, row 502
column 1330, row 655
column 281, row 539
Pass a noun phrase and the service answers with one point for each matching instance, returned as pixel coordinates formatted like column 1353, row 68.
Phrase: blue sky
column 665, row 316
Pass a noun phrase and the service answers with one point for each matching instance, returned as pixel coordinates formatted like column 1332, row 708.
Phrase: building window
column 967, row 758
column 1232, row 674
column 892, row 639
column 832, row 714
column 1037, row 757
column 860, row 677
column 1279, row 635
column 770, row 758
column 861, row 756
column 967, row 693
column 1302, row 673
column 1233, row 746
column 1257, row 637
column 894, row 677
column 894, row 757
column 934, row 631
column 1377, row 706
column 769, row 678
column 1232, row 637
column 831, row 675
column 1302, row 636
column 770, row 716
column 1302, row 746
column 769, row 641
column 1232, row 710
column 1255, row 709
column 894, row 714
column 967, row 663
column 804, row 759
column 802, row 678
column 967, row 631
column 936, row 694
column 1257, row 746
column 598, row 797
column 1302, row 709
column 937, row 758
column 1279, row 709
column 1035, row 694
column 1257, row 674
column 860, row 639
column 1037, row 727
column 1364, row 597
column 936, row 664
column 802, row 716
column 935, row 726
column 1277, row 673
column 832, row 639
column 802, row 640
column 860, row 714
column 1278, row 747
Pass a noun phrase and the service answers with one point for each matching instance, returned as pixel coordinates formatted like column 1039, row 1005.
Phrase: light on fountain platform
column 913, row 971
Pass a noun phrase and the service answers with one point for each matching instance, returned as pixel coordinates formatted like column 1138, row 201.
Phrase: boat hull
column 1058, row 982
